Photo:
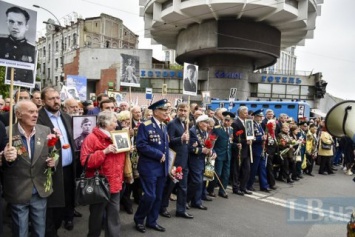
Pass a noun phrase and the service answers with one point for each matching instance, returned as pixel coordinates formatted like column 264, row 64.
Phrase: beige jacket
column 326, row 138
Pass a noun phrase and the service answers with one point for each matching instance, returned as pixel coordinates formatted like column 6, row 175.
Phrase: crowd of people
column 188, row 154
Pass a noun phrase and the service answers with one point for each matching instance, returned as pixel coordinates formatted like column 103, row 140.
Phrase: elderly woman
column 272, row 149
column 101, row 153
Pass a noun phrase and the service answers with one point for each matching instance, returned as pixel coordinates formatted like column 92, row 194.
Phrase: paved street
column 259, row 214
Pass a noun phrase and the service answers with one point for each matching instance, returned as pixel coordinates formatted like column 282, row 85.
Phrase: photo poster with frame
column 122, row 140
column 77, row 87
column 249, row 129
column 82, row 127
column 172, row 156
column 206, row 97
column 130, row 70
column 116, row 95
column 190, row 81
column 24, row 58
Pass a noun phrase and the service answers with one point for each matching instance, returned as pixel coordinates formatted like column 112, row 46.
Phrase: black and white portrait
column 190, row 79
column 130, row 71
column 206, row 97
column 121, row 140
column 249, row 129
column 17, row 43
column 82, row 127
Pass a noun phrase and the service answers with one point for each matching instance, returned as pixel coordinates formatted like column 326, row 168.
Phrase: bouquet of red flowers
column 210, row 140
column 53, row 153
column 177, row 174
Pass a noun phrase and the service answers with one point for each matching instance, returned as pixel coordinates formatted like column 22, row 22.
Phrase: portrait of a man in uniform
column 17, row 37
column 190, row 79
column 82, row 127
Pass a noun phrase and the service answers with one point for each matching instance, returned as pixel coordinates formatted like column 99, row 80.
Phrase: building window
column 279, row 89
column 49, row 52
column 44, row 69
column 69, row 42
column 49, row 72
column 44, row 51
column 107, row 44
column 56, row 46
column 74, row 39
column 65, row 43
column 56, row 63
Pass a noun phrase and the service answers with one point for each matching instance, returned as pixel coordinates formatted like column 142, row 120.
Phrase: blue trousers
column 258, row 167
column 35, row 211
column 150, row 202
column 195, row 182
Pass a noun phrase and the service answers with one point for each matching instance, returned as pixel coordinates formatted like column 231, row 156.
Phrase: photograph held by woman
column 103, row 156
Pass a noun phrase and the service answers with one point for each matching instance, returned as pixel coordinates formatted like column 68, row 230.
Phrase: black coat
column 57, row 198
column 175, row 131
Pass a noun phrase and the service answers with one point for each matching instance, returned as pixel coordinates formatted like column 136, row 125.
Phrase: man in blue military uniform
column 258, row 167
column 15, row 46
column 153, row 147
column 223, row 149
column 198, row 153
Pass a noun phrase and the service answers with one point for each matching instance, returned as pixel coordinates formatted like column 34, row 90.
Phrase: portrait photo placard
column 130, row 70
column 249, row 129
column 82, row 127
column 122, row 140
column 190, row 79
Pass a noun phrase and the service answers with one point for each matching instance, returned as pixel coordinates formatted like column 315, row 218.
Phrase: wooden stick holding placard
column 251, row 152
column 11, row 107
column 187, row 119
column 130, row 98
column 18, row 98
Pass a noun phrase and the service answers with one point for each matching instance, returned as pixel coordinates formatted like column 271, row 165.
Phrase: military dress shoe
column 273, row 187
column 212, row 194
column 184, row 215
column 238, row 192
column 295, row 179
column 69, row 225
column 165, row 213
column 251, row 189
column 223, row 195
column 129, row 210
column 207, row 199
column 187, row 206
column 156, row 227
column 77, row 214
column 247, row 192
column 201, row 207
column 140, row 228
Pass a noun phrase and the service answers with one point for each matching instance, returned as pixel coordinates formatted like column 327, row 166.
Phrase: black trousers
column 240, row 174
column 56, row 215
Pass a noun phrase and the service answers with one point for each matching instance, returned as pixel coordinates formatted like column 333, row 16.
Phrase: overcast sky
column 331, row 51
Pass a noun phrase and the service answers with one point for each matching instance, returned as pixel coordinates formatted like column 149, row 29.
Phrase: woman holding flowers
column 101, row 153
column 286, row 153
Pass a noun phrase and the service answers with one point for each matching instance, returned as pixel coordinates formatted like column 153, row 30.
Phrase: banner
column 76, row 87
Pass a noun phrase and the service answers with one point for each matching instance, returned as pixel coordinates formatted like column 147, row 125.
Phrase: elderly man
column 123, row 106
column 269, row 114
column 179, row 139
column 197, row 154
column 61, row 202
column 71, row 107
column 36, row 98
column 240, row 154
column 18, row 96
column 218, row 116
column 223, row 148
column 2, row 103
column 153, row 147
column 24, row 172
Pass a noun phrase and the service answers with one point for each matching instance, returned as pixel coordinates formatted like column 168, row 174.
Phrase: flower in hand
column 177, row 173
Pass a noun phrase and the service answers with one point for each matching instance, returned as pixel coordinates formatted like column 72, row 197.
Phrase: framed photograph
column 82, row 127
column 172, row 156
column 206, row 97
column 121, row 139
column 249, row 129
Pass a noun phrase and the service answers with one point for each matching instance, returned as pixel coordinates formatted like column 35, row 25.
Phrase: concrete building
column 59, row 51
column 230, row 40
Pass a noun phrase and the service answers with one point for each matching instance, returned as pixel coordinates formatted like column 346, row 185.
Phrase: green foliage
column 176, row 67
column 4, row 89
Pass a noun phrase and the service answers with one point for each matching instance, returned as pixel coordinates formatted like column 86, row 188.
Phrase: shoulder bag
column 326, row 146
column 91, row 190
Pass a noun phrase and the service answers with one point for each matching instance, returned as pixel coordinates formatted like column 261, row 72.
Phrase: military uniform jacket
column 18, row 50
column 223, row 144
column 258, row 143
column 25, row 173
column 196, row 143
column 151, row 144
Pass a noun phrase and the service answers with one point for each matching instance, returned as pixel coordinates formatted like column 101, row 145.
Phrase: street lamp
column 62, row 43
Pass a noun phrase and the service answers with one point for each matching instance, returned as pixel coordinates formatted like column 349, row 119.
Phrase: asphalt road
column 312, row 207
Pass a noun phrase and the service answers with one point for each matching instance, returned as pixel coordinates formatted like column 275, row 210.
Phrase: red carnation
column 52, row 141
column 65, row 146
column 238, row 133
column 179, row 169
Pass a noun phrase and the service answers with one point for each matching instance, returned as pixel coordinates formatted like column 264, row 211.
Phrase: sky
column 331, row 51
